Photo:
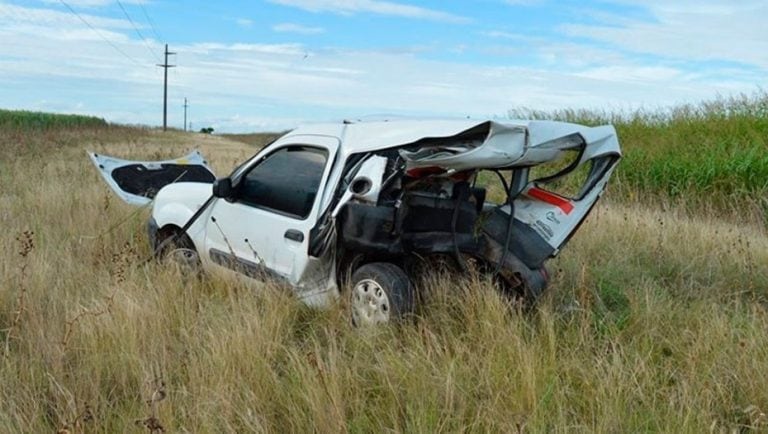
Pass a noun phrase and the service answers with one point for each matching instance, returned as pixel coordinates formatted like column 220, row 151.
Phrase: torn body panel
column 435, row 210
column 495, row 145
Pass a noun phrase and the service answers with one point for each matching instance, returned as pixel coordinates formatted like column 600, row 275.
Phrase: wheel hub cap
column 185, row 258
column 370, row 304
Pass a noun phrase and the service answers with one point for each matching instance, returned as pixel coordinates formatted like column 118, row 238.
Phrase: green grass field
column 26, row 120
column 656, row 319
column 712, row 155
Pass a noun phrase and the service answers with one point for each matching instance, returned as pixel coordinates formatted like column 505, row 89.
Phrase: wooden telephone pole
column 165, row 67
column 185, row 113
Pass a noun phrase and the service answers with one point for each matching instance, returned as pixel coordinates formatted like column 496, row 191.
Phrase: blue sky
column 272, row 64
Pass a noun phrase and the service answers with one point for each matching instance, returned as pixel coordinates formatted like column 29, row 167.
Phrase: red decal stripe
column 552, row 199
column 420, row 172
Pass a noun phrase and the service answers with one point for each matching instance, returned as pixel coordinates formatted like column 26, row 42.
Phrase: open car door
column 137, row 182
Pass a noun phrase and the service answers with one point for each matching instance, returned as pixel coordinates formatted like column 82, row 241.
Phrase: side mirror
column 222, row 188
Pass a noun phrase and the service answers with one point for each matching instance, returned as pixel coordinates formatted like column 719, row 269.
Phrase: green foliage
column 712, row 152
column 612, row 310
column 26, row 120
column 716, row 151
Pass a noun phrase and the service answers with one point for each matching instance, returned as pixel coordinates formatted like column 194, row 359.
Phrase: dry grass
column 257, row 140
column 656, row 321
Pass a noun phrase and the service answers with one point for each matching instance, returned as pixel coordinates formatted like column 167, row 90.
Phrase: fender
column 173, row 213
column 180, row 205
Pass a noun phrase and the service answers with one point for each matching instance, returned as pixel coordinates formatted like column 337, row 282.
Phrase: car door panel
column 264, row 230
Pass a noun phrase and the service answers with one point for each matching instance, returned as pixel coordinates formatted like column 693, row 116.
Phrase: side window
column 286, row 181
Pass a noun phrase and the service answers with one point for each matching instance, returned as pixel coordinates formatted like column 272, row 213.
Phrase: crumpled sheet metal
column 511, row 145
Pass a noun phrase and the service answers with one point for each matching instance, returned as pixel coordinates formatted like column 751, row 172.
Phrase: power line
column 146, row 44
column 149, row 20
column 101, row 34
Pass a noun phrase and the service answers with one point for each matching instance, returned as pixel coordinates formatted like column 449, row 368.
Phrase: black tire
column 180, row 250
column 522, row 291
column 367, row 306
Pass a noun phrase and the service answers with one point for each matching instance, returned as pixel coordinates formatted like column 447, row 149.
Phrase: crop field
column 656, row 319
column 25, row 121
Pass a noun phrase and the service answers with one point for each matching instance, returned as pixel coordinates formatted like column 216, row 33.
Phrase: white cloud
column 576, row 56
column 500, row 34
column 209, row 48
column 297, row 28
column 244, row 22
column 713, row 30
column 344, row 83
column 639, row 74
column 12, row 15
column 373, row 6
column 50, row 56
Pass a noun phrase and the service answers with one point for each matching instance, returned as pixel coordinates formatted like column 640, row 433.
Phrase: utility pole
column 185, row 114
column 165, row 66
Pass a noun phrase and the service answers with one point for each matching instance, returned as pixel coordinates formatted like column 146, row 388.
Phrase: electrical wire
column 101, row 34
column 149, row 21
column 138, row 32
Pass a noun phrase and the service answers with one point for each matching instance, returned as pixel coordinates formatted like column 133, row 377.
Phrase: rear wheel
column 381, row 292
column 525, row 291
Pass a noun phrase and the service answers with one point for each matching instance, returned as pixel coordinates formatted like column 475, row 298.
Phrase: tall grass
column 656, row 321
column 27, row 120
column 713, row 154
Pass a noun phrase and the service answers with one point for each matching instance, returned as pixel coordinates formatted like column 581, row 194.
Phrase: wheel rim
column 370, row 304
column 185, row 258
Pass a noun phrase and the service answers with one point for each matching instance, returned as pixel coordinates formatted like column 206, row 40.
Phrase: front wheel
column 381, row 292
column 179, row 251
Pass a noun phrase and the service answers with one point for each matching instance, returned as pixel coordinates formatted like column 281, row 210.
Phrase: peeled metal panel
column 515, row 144
column 137, row 182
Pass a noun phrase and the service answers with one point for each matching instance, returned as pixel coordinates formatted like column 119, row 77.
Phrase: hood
column 137, row 182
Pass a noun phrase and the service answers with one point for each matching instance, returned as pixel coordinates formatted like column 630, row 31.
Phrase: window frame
column 261, row 159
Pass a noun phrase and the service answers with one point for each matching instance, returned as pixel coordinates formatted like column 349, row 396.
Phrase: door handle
column 294, row 235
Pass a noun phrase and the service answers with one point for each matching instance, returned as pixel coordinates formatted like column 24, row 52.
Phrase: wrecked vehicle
column 365, row 203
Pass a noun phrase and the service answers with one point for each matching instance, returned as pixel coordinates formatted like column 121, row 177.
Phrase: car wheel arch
column 167, row 231
column 170, row 231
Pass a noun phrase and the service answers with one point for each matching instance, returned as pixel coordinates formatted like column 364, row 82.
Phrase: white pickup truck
column 360, row 204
